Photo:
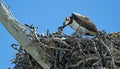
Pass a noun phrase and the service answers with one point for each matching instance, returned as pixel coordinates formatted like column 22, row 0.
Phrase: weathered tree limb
column 18, row 32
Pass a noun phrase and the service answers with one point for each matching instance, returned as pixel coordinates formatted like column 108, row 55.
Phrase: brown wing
column 84, row 21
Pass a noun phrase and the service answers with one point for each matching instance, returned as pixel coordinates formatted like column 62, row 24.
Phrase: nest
column 73, row 52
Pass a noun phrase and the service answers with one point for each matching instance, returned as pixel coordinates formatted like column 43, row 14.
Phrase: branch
column 23, row 37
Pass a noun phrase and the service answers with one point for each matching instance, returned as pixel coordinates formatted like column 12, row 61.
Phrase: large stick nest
column 73, row 52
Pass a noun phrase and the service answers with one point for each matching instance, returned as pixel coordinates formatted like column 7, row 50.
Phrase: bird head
column 67, row 21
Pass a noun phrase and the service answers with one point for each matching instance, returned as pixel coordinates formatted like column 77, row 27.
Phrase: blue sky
column 49, row 14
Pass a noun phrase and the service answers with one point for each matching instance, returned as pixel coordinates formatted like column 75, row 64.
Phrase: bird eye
column 67, row 19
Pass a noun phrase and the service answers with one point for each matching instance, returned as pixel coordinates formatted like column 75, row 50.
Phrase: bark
column 18, row 32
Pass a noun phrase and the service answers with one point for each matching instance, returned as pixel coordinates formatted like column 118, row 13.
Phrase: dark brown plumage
column 84, row 21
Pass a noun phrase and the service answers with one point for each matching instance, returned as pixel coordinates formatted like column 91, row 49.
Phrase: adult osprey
column 81, row 24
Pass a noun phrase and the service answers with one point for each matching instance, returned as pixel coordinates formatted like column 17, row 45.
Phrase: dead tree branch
column 25, row 39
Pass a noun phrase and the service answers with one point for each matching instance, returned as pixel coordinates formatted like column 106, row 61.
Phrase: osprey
column 81, row 24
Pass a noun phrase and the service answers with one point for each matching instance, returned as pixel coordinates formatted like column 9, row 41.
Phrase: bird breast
column 78, row 28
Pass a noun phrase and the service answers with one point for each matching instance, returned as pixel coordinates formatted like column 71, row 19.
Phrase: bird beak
column 61, row 27
column 64, row 25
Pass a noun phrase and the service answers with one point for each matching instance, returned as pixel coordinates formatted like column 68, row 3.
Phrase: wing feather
column 84, row 21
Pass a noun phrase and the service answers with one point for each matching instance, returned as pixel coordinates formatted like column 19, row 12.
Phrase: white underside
column 78, row 28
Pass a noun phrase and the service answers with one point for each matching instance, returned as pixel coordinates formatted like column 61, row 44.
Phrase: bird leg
column 77, row 34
